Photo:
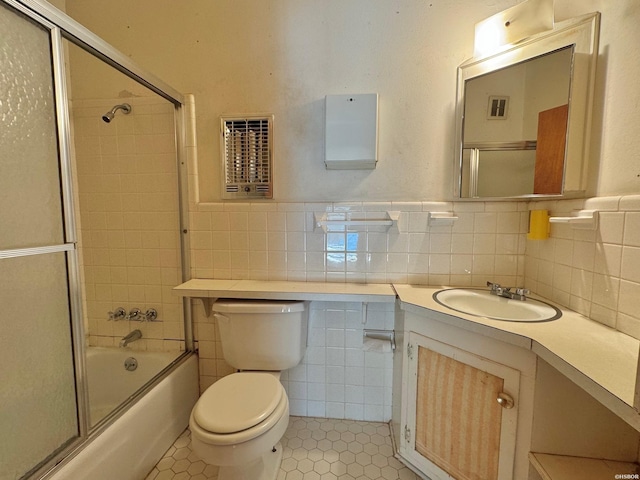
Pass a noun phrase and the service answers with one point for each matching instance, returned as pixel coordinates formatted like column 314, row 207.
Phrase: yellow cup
column 538, row 225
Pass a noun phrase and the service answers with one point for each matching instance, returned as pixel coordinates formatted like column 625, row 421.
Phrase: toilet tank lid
column 258, row 306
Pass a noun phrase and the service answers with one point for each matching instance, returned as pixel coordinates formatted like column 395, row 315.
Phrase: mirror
column 523, row 116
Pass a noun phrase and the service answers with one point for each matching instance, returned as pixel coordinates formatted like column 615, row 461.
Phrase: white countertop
column 600, row 359
column 284, row 290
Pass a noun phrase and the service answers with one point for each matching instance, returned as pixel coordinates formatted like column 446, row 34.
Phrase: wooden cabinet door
column 456, row 428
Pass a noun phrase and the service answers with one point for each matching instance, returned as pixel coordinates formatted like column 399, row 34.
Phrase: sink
column 482, row 303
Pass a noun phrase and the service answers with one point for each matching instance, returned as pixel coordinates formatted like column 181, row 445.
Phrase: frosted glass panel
column 30, row 201
column 37, row 391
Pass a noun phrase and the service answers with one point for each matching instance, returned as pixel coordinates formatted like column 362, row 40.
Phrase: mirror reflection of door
column 507, row 161
column 550, row 150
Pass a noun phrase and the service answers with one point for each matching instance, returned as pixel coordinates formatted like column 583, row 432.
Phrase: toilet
column 237, row 423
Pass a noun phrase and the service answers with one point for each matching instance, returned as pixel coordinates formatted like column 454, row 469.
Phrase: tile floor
column 313, row 449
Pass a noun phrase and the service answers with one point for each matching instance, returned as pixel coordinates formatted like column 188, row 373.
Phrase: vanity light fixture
column 512, row 25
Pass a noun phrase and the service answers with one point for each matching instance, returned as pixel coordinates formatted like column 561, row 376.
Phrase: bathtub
column 114, row 374
column 129, row 447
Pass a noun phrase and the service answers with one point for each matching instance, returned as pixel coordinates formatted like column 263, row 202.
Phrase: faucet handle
column 496, row 289
column 134, row 314
column 117, row 314
column 150, row 315
column 522, row 291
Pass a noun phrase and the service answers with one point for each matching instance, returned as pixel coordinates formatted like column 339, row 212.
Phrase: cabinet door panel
column 457, row 417
column 459, row 429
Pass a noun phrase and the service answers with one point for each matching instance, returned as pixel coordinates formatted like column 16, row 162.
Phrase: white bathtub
column 110, row 383
column 128, row 448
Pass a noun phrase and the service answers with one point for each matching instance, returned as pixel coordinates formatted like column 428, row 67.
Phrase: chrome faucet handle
column 496, row 289
column 523, row 291
column 117, row 314
column 150, row 315
column 134, row 314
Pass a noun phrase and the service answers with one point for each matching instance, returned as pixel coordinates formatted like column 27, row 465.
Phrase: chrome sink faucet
column 520, row 293
column 131, row 337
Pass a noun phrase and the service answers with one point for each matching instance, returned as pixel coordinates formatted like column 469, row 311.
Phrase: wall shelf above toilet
column 208, row 291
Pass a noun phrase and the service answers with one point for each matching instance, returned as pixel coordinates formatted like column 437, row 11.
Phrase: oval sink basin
column 481, row 303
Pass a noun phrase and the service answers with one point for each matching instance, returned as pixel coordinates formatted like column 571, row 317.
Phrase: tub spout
column 131, row 337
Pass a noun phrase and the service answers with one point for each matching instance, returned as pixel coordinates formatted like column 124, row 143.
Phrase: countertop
column 600, row 359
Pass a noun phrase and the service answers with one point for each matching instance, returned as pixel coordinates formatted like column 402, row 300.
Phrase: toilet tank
column 262, row 334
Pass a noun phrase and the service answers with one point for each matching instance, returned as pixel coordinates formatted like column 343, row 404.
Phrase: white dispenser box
column 351, row 131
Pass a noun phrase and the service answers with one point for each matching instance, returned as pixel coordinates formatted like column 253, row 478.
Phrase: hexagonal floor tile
column 312, row 449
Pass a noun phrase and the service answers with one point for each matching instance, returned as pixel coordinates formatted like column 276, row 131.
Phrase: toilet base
column 266, row 467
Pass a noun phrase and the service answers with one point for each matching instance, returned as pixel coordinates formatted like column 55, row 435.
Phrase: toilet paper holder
column 388, row 335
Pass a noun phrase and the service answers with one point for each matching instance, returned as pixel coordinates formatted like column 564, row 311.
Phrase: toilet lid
column 237, row 402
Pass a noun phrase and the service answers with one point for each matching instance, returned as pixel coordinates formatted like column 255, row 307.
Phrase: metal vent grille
column 247, row 155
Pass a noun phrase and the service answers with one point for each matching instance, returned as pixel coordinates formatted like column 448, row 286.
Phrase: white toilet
column 239, row 420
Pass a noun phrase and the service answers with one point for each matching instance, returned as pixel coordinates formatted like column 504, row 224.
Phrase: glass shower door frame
column 61, row 27
column 69, row 247
column 74, row 32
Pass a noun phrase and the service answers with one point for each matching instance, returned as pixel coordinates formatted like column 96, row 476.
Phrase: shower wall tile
column 128, row 201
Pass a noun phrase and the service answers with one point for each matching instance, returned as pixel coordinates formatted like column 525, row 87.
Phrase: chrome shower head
column 125, row 107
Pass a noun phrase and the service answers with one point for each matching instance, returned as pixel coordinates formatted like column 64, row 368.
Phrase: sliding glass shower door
column 39, row 416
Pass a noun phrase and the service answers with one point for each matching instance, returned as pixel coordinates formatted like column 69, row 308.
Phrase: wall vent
column 498, row 107
column 247, row 154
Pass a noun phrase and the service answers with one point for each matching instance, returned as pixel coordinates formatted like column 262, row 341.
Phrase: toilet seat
column 239, row 407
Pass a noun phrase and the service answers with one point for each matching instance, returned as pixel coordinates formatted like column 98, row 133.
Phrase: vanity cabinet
column 456, row 425
column 466, row 403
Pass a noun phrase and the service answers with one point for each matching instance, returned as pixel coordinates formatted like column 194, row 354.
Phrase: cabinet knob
column 505, row 400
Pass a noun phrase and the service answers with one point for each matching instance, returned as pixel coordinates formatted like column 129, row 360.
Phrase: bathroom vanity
column 539, row 425
column 446, row 372
column 565, row 388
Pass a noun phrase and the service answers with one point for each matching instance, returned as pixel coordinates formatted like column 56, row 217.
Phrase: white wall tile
column 628, row 301
column 611, row 227
column 630, row 264
column 461, row 243
column 563, row 253
column 604, row 315
column 632, row 229
column 488, row 242
column 584, row 255
column 439, row 265
column 335, row 410
column 630, row 203
column 628, row 324
column 316, row 409
column 606, row 290
column 508, row 222
column 485, row 223
column 484, row 243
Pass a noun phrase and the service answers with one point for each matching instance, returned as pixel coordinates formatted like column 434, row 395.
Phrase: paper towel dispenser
column 351, row 131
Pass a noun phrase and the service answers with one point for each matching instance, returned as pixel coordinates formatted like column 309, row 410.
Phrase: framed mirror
column 523, row 116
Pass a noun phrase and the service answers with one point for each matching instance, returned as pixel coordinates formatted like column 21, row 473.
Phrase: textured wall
column 286, row 55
